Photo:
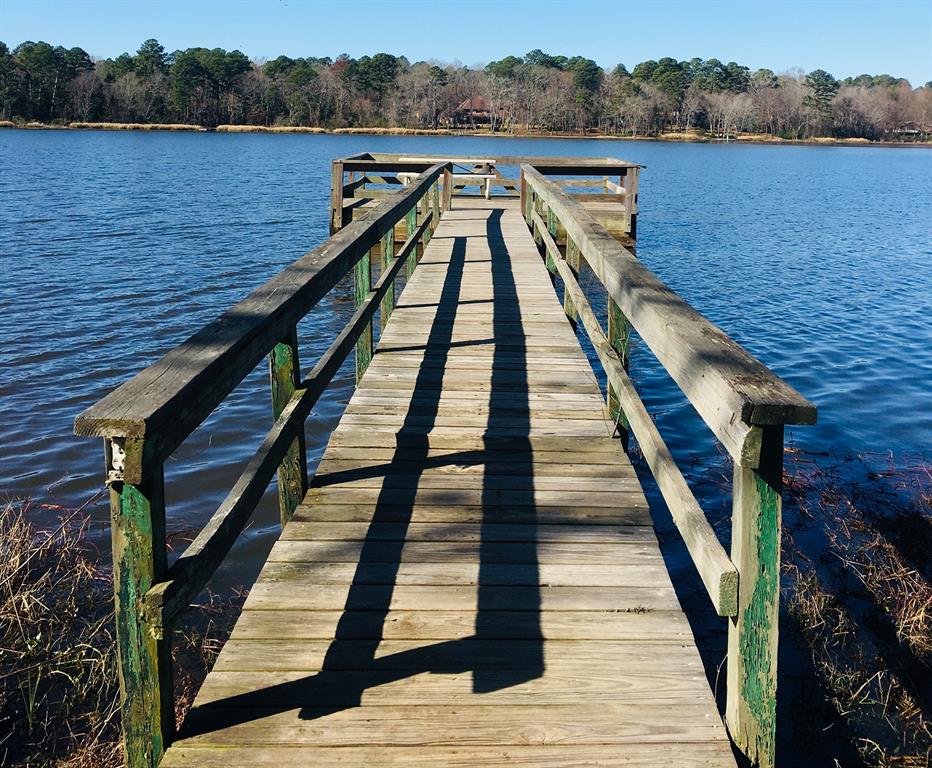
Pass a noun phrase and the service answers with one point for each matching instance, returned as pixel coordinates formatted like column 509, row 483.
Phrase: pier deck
column 470, row 576
column 473, row 578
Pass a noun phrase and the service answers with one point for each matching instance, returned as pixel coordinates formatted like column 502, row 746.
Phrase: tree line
column 536, row 92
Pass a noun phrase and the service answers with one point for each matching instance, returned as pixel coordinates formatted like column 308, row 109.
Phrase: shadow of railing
column 506, row 607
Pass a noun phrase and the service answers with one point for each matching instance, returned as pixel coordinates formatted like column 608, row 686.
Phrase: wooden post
column 388, row 256
column 336, row 196
column 750, row 710
column 447, row 189
column 552, row 229
column 572, row 261
column 631, row 201
column 285, row 375
column 410, row 229
column 363, row 280
column 137, row 514
column 522, row 191
column 435, row 205
column 619, row 336
column 424, row 204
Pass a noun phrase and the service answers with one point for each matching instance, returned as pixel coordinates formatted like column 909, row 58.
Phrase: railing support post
column 285, row 375
column 619, row 336
column 750, row 711
column 410, row 229
column 424, row 206
column 435, row 205
column 572, row 261
column 336, row 196
column 522, row 191
column 362, row 273
column 447, row 189
column 388, row 256
column 137, row 514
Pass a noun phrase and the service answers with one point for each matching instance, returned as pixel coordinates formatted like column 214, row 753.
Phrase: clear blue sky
column 846, row 37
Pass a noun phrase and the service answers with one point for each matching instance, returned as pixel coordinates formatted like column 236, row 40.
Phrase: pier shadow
column 506, row 608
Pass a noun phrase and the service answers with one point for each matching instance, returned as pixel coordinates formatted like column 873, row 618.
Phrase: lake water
column 114, row 247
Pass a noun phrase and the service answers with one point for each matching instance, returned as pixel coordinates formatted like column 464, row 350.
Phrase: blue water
column 114, row 247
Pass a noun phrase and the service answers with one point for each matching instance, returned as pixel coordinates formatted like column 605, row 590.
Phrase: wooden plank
column 472, row 532
column 300, row 572
column 595, row 724
column 683, row 755
column 653, row 616
column 267, row 595
column 634, row 512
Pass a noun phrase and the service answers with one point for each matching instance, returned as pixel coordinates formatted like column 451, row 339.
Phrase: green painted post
column 410, row 229
column 751, row 706
column 424, row 205
column 363, row 279
column 285, row 375
column 137, row 514
column 619, row 336
column 572, row 261
column 388, row 256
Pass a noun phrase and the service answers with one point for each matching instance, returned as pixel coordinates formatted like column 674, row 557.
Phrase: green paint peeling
column 144, row 663
column 363, row 282
column 284, row 371
column 759, row 684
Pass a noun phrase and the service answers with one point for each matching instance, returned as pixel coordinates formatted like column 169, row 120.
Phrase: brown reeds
column 861, row 602
column 60, row 695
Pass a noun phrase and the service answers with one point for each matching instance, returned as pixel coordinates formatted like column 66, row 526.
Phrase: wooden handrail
column 190, row 573
column 742, row 401
column 144, row 420
column 168, row 400
column 716, row 570
column 731, row 390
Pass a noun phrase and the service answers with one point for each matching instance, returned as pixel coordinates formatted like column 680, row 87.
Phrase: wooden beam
column 731, row 390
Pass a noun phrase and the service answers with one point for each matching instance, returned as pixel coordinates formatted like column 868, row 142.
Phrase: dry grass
column 863, row 604
column 137, row 126
column 58, row 676
column 269, row 129
column 56, row 646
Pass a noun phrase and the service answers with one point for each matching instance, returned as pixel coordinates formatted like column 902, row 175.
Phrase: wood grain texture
column 472, row 578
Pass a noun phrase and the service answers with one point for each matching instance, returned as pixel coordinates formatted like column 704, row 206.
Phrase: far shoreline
column 690, row 137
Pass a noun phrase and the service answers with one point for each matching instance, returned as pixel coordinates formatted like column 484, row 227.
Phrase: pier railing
column 607, row 185
column 147, row 418
column 743, row 403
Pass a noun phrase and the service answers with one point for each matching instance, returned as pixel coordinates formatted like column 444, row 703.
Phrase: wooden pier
column 470, row 577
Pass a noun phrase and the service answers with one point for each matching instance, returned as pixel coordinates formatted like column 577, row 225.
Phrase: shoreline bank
column 684, row 138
